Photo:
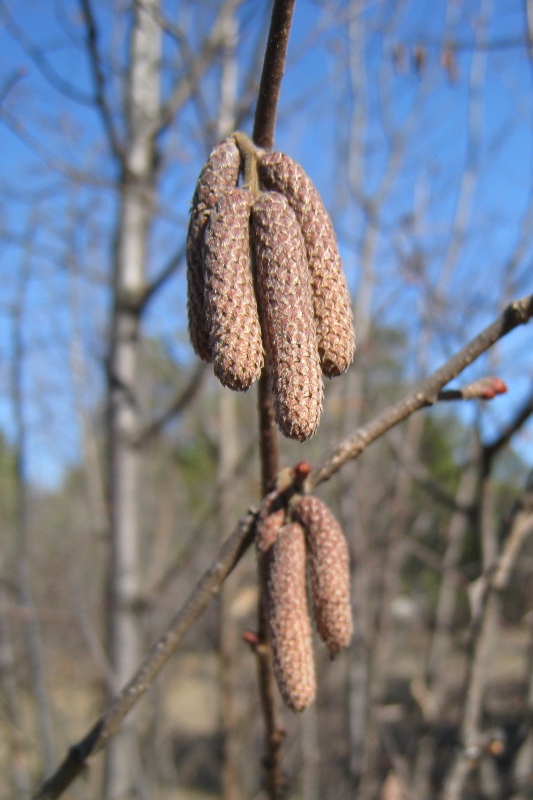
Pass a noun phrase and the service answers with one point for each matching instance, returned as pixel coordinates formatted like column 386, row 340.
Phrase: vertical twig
column 272, row 75
column 263, row 135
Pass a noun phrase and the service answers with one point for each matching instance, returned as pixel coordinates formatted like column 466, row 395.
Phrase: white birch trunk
column 135, row 217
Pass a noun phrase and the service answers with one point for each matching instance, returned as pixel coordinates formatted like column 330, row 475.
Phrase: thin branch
column 481, row 389
column 186, row 87
column 424, row 394
column 167, row 272
column 41, row 62
column 55, row 163
column 182, row 400
column 263, row 135
column 422, row 477
column 10, row 82
column 491, row 450
column 99, row 80
column 268, row 434
column 109, row 723
column 271, row 77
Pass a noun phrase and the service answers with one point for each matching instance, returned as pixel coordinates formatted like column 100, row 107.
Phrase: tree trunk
column 135, row 216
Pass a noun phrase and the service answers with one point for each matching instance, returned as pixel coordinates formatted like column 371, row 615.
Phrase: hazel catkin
column 288, row 618
column 287, row 315
column 230, row 304
column 330, row 572
column 332, row 306
column 219, row 174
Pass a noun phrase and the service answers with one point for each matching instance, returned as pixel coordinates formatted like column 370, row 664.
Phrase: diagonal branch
column 99, row 79
column 41, row 61
column 109, row 723
column 175, row 408
column 423, row 394
column 166, row 273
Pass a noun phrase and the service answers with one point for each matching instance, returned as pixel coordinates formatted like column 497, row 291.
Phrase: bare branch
column 109, row 723
column 10, row 82
column 41, row 62
column 490, row 450
column 271, row 77
column 180, row 403
column 99, row 79
column 424, row 394
column 482, row 389
column 186, row 87
column 263, row 135
column 167, row 271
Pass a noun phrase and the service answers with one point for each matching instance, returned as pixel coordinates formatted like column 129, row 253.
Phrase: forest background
column 414, row 120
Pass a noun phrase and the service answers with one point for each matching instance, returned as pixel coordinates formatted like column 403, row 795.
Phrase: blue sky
column 62, row 229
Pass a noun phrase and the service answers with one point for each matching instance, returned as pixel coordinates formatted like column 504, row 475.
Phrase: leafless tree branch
column 41, row 62
column 109, row 723
column 179, row 404
column 424, row 394
column 99, row 80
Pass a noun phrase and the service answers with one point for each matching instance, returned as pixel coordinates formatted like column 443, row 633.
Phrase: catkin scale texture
column 235, row 339
column 287, row 314
column 219, row 174
column 330, row 572
column 332, row 306
column 288, row 617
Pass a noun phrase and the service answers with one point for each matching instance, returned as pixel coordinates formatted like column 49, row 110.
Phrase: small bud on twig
column 483, row 389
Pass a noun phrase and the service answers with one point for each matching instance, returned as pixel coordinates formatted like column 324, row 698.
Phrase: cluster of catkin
column 306, row 536
column 264, row 277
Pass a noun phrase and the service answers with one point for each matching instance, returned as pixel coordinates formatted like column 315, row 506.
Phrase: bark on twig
column 271, row 77
column 423, row 394
column 263, row 135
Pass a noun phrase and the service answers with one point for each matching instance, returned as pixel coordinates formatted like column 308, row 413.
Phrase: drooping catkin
column 287, row 314
column 219, row 174
column 330, row 572
column 332, row 306
column 231, row 310
column 288, row 618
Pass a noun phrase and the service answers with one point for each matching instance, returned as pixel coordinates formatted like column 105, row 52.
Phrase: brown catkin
column 230, row 304
column 330, row 572
column 287, row 313
column 288, row 618
column 332, row 306
column 219, row 174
